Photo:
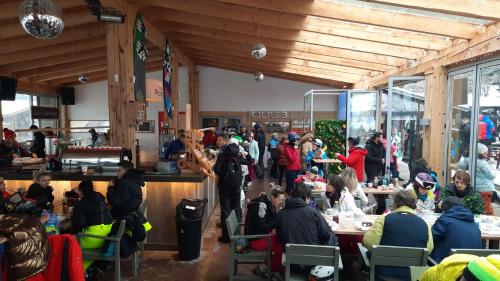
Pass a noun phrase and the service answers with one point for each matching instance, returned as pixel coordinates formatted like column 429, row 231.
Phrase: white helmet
column 318, row 142
column 321, row 273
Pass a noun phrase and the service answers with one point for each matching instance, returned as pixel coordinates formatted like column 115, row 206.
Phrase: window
column 101, row 126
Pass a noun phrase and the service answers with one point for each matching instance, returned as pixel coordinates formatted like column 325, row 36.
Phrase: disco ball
column 259, row 51
column 259, row 76
column 84, row 78
column 41, row 19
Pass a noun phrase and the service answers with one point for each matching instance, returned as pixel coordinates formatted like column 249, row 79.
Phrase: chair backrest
column 232, row 224
column 398, row 256
column 312, row 255
column 476, row 252
column 121, row 229
column 143, row 206
column 389, row 202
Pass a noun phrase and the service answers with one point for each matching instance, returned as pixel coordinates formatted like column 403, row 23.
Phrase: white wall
column 223, row 90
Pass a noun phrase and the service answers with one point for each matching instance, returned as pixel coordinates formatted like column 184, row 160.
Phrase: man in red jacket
column 291, row 154
column 356, row 159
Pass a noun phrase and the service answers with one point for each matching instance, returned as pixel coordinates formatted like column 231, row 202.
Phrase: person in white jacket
column 253, row 150
column 346, row 201
column 353, row 185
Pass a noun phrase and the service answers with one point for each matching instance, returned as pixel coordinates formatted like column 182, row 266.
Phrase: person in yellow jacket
column 465, row 267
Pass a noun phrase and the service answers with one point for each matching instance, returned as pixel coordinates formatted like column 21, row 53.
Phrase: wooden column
column 120, row 74
column 435, row 109
column 64, row 120
column 175, row 92
column 194, row 98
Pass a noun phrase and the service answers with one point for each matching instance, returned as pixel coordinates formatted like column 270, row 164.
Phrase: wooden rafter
column 295, row 22
column 485, row 9
column 357, row 14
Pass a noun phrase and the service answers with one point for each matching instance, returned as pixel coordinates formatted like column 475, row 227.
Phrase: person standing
column 356, row 159
column 272, row 147
column 282, row 162
column 253, row 150
column 375, row 157
column 316, row 153
column 484, row 178
column 260, row 137
column 306, row 145
column 38, row 146
column 125, row 191
column 293, row 161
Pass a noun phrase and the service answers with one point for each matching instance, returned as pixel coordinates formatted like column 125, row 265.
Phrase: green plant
column 333, row 135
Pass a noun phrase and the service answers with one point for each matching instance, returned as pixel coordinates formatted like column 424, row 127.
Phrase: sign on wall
column 42, row 112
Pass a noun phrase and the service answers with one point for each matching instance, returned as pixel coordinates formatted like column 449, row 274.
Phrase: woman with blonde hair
column 353, row 185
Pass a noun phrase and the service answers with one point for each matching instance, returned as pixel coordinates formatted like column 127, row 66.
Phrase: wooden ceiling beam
column 484, row 9
column 351, row 13
column 61, row 67
column 67, row 73
column 82, row 16
column 251, row 40
column 293, row 35
column 295, row 22
column 10, row 10
column 70, row 49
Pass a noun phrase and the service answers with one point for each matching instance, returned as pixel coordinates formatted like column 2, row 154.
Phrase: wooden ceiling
column 330, row 42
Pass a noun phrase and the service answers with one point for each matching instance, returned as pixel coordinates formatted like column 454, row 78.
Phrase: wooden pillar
column 194, row 98
column 64, row 120
column 175, row 92
column 435, row 109
column 120, row 74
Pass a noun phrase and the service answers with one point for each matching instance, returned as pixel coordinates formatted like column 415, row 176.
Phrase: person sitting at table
column 316, row 153
column 464, row 267
column 356, row 159
column 333, row 191
column 90, row 210
column 41, row 191
column 400, row 228
column 310, row 176
column 422, row 188
column 3, row 189
column 353, row 185
column 125, row 191
column 462, row 189
column 11, row 147
column 454, row 229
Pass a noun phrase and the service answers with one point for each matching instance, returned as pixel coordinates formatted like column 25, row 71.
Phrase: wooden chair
column 476, row 252
column 250, row 257
column 416, row 272
column 312, row 255
column 393, row 256
column 98, row 254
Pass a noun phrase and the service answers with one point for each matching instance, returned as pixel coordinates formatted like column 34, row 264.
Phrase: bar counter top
column 77, row 175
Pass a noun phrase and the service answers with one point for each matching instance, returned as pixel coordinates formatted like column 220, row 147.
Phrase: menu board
column 41, row 112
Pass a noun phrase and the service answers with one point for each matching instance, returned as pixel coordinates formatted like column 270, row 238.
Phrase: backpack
column 257, row 210
column 232, row 174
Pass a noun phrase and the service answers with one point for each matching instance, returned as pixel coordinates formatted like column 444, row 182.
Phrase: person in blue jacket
column 455, row 229
column 316, row 153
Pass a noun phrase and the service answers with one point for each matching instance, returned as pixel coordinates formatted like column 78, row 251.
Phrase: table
column 327, row 162
column 379, row 191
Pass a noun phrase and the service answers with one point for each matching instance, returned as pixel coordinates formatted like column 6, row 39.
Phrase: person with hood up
column 272, row 147
column 125, row 191
column 356, row 159
column 454, row 229
column 38, row 146
column 375, row 157
column 462, row 189
column 316, row 153
column 291, row 152
column 260, row 137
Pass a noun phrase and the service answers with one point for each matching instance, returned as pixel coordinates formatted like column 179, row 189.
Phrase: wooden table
column 327, row 162
column 379, row 190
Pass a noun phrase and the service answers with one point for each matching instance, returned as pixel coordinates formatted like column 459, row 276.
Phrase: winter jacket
column 260, row 137
column 292, row 158
column 126, row 194
column 455, row 229
column 374, row 156
column 359, row 193
column 449, row 269
column 472, row 200
column 174, row 147
column 135, row 232
column 27, row 256
column 42, row 195
column 356, row 160
column 254, row 150
column 65, row 263
column 229, row 171
column 281, row 155
column 38, row 146
column 261, row 216
column 490, row 127
column 14, row 149
column 209, row 139
column 424, row 202
column 298, row 223
column 347, row 203
column 90, row 210
column 400, row 228
column 272, row 146
column 484, row 176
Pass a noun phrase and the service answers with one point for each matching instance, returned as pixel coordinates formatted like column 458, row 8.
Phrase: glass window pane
column 459, row 128
column 362, row 115
column 83, row 134
column 17, row 115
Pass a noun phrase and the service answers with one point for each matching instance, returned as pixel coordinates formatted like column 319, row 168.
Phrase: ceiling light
column 84, row 78
column 259, row 51
column 41, row 19
column 259, row 76
column 111, row 17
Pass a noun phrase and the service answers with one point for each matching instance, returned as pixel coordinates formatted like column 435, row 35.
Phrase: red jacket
column 71, row 262
column 356, row 160
column 292, row 158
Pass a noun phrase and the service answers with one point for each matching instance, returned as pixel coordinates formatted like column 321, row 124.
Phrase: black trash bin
column 189, row 217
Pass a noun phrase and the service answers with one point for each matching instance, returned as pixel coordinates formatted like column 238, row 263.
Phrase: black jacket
column 260, row 137
column 90, row 210
column 261, row 216
column 298, row 223
column 135, row 226
column 228, row 169
column 38, row 145
column 126, row 194
column 43, row 196
column 373, row 160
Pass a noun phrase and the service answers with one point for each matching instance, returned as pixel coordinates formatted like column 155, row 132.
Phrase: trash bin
column 189, row 217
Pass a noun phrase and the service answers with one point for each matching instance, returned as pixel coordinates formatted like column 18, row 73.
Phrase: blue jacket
column 174, row 147
column 455, row 229
column 490, row 127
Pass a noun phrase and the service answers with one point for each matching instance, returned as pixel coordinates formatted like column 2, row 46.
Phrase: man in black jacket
column 260, row 137
column 125, row 192
column 375, row 159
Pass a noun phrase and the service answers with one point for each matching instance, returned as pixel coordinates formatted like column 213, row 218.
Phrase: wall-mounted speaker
column 67, row 95
column 8, row 87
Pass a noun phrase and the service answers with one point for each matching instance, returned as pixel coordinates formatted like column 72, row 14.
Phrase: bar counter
column 162, row 192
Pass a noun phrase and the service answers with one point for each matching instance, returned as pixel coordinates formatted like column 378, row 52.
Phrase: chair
column 476, row 252
column 135, row 256
column 416, row 272
column 393, row 256
column 251, row 257
column 389, row 201
column 100, row 255
column 312, row 255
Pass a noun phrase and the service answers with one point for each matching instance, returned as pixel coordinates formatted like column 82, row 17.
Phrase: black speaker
column 67, row 95
column 8, row 87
